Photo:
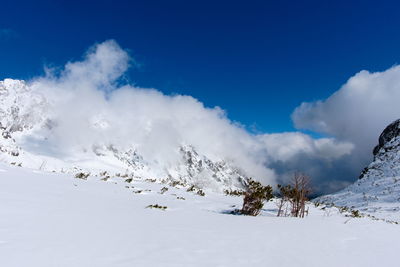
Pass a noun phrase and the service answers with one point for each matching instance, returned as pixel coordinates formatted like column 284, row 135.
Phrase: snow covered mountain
column 28, row 129
column 377, row 191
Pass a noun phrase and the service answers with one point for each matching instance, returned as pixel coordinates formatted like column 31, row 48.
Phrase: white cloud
column 285, row 146
column 89, row 106
column 357, row 113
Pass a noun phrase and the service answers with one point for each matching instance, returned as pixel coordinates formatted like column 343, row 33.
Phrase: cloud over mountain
column 89, row 104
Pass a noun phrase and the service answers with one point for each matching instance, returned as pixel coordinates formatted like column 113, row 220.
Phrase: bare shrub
column 294, row 196
column 285, row 193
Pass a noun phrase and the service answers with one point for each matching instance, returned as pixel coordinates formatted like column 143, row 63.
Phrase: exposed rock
column 378, row 189
column 390, row 132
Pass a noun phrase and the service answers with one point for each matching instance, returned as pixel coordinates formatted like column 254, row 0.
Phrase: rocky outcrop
column 391, row 131
column 386, row 154
column 378, row 190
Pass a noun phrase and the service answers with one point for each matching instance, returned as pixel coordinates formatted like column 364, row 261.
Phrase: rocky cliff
column 377, row 190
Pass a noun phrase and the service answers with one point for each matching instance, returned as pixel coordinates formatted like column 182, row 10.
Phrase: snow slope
column 377, row 192
column 51, row 219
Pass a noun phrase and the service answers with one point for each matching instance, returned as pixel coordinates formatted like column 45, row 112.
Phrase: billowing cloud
column 356, row 113
column 89, row 104
column 285, row 146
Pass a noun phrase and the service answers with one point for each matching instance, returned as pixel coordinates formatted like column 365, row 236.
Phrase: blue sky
column 256, row 59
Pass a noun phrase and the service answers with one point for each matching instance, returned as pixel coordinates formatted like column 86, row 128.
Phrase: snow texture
column 51, row 219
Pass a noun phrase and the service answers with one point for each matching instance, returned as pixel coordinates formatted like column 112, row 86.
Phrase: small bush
column 176, row 183
column 198, row 191
column 82, row 175
column 191, row 189
column 234, row 193
column 343, row 209
column 129, row 180
column 156, row 206
column 355, row 214
column 163, row 190
column 105, row 173
column 254, row 198
column 105, row 176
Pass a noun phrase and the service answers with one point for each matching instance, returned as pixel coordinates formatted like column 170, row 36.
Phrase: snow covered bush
column 254, row 198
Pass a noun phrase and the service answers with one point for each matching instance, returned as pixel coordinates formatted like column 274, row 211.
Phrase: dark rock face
column 377, row 192
column 390, row 132
column 388, row 146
